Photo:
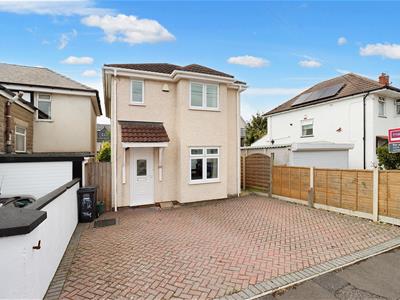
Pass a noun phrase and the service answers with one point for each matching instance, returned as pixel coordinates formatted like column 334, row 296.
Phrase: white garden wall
column 26, row 273
column 34, row 178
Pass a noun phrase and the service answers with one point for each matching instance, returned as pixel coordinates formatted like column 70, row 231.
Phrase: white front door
column 142, row 192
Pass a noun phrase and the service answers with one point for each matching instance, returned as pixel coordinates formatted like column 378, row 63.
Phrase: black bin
column 87, row 204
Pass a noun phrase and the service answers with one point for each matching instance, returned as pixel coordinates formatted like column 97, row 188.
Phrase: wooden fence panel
column 99, row 174
column 393, row 194
column 257, row 172
column 365, row 191
column 334, row 186
column 320, row 186
column 349, row 189
column 383, row 193
column 292, row 182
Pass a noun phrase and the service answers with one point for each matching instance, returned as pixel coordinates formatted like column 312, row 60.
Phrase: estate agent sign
column 394, row 140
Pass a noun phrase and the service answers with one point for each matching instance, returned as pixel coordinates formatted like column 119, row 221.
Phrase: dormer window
column 204, row 96
column 137, row 92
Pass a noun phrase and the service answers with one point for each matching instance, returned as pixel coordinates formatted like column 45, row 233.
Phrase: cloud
column 129, row 29
column 391, row 51
column 74, row 60
column 53, row 7
column 342, row 71
column 273, row 91
column 65, row 39
column 89, row 73
column 249, row 61
column 342, row 41
column 310, row 63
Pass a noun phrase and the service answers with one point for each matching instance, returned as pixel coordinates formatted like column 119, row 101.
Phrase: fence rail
column 345, row 189
column 99, row 174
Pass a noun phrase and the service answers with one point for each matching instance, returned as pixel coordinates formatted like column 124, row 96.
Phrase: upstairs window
column 204, row 165
column 204, row 96
column 20, row 139
column 307, row 128
column 137, row 95
column 381, row 107
column 44, row 105
column 397, row 103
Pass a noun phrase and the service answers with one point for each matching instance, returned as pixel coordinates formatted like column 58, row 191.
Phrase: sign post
column 394, row 140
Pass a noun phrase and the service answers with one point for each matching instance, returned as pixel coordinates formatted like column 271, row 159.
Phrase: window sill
column 306, row 136
column 381, row 116
column 204, row 181
column 20, row 152
column 205, row 109
column 45, row 121
column 137, row 104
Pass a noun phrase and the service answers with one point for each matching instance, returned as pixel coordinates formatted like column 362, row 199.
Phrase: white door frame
column 148, row 181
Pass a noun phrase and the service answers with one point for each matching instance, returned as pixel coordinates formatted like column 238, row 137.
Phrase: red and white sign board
column 394, row 135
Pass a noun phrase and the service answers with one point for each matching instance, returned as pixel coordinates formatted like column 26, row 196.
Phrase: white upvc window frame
column 50, row 119
column 380, row 102
column 20, row 134
column 204, row 96
column 131, row 102
column 204, row 156
column 397, row 107
column 307, row 122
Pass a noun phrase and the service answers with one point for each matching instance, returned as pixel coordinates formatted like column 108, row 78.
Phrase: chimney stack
column 384, row 79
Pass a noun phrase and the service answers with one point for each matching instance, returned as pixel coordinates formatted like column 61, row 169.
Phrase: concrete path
column 375, row 278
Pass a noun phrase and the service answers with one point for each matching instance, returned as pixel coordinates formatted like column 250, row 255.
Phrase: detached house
column 338, row 123
column 48, row 122
column 175, row 133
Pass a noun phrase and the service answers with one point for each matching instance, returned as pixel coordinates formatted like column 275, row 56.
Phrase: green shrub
column 388, row 161
column 105, row 152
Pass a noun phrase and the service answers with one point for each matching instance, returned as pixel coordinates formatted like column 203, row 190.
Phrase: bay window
column 204, row 96
column 204, row 164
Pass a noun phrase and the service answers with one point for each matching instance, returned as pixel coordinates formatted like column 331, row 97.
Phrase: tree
column 388, row 161
column 105, row 152
column 255, row 129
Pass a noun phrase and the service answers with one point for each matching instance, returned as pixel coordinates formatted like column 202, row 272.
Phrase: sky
column 278, row 48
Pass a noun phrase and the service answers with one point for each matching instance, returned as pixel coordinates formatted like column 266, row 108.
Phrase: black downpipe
column 364, row 131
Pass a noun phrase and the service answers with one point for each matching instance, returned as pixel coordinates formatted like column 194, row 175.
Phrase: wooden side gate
column 256, row 172
column 99, row 174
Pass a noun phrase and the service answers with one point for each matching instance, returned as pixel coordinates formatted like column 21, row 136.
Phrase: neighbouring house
column 103, row 135
column 53, row 120
column 336, row 123
column 16, row 123
column 175, row 133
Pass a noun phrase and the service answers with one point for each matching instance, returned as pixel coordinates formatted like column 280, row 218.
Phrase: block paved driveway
column 210, row 250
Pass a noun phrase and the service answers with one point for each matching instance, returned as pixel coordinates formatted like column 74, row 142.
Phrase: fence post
column 375, row 195
column 311, row 191
column 271, row 166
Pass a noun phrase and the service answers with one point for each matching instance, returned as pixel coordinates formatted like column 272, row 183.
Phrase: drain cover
column 104, row 223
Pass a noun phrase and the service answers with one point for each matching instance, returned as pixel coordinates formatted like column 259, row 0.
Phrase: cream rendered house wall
column 72, row 128
column 186, row 128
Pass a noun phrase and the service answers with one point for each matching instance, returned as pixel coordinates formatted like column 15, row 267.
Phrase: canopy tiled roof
column 169, row 68
column 353, row 84
column 143, row 132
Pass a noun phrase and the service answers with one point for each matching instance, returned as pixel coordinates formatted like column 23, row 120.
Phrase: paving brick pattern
column 211, row 250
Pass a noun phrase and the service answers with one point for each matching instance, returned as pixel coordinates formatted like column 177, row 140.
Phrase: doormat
column 104, row 223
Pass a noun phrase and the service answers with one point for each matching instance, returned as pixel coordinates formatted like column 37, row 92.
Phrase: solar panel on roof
column 301, row 99
column 332, row 90
column 319, row 94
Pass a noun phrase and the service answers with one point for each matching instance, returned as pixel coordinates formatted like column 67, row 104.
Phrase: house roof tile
column 143, row 132
column 169, row 68
column 353, row 84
